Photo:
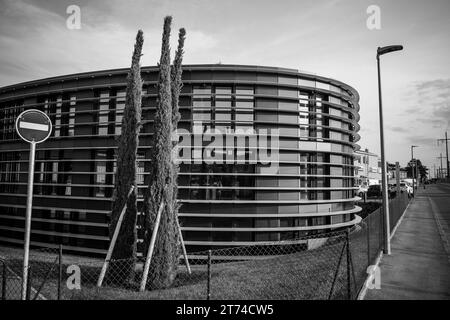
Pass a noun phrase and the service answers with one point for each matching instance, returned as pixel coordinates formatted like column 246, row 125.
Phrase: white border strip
column 33, row 126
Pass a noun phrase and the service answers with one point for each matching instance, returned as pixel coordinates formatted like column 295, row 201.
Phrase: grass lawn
column 299, row 275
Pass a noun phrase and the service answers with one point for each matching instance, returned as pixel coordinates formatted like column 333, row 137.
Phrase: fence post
column 4, row 281
column 208, row 290
column 28, row 289
column 59, row 271
column 349, row 288
column 368, row 241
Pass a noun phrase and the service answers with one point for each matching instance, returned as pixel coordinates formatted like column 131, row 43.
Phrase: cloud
column 422, row 140
column 433, row 85
column 398, row 129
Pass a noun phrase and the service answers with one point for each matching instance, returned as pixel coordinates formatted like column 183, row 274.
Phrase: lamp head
column 387, row 49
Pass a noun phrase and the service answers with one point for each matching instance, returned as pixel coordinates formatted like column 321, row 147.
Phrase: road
column 419, row 266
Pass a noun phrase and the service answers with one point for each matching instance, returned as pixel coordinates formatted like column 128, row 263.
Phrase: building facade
column 308, row 188
column 367, row 168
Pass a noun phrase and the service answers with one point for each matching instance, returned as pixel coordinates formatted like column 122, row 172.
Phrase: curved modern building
column 305, row 187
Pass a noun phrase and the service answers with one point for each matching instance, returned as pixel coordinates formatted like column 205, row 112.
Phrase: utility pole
column 446, row 152
column 440, row 169
column 413, row 169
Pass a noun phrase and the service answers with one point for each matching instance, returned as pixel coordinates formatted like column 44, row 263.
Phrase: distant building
column 367, row 168
column 391, row 173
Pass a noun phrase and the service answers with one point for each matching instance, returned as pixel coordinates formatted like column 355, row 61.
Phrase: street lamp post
column 387, row 242
column 413, row 168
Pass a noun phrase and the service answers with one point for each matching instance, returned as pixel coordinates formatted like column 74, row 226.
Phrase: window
column 335, row 112
column 58, row 117
column 140, row 168
column 306, row 83
column 248, row 117
column 244, row 104
column 223, row 116
column 223, row 104
column 293, row 157
column 303, row 118
column 201, row 90
column 289, row 170
column 288, row 106
column 206, row 116
column 288, row 80
column 287, row 119
column 322, row 85
column 270, row 117
column 103, row 114
column 223, row 91
column 334, row 100
column 288, row 93
column 289, row 132
column 204, row 103
column 120, row 106
column 244, row 90
column 72, row 105
column 100, row 173
column 334, row 123
column 304, row 131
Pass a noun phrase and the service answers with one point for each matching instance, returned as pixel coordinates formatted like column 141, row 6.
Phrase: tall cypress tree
column 125, row 175
column 177, row 84
column 165, row 257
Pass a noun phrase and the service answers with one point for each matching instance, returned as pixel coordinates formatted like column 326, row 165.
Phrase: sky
column 326, row 37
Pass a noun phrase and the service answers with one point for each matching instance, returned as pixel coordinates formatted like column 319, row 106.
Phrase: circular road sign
column 33, row 126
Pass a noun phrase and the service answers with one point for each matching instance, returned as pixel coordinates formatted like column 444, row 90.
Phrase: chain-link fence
column 44, row 265
column 322, row 266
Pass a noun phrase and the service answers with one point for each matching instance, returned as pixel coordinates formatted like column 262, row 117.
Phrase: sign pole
column 28, row 218
column 32, row 126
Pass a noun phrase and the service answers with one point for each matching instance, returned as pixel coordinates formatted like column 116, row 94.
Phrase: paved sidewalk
column 419, row 266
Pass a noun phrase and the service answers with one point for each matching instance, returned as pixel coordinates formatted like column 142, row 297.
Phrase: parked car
column 374, row 191
column 405, row 187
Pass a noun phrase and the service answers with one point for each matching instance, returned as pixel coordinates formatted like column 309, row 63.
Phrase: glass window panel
column 289, row 144
column 289, row 170
column 223, row 104
column 223, row 116
column 288, row 118
column 201, row 116
column 202, row 90
column 289, row 132
column 244, row 90
column 244, row 117
column 334, row 100
column 288, row 196
column 223, row 90
column 335, row 112
column 288, row 93
column 267, row 104
column 202, row 103
column 288, row 80
column 289, row 157
column 271, row 117
column 322, row 85
column 288, row 106
column 289, row 183
column 244, row 104
column 306, row 83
